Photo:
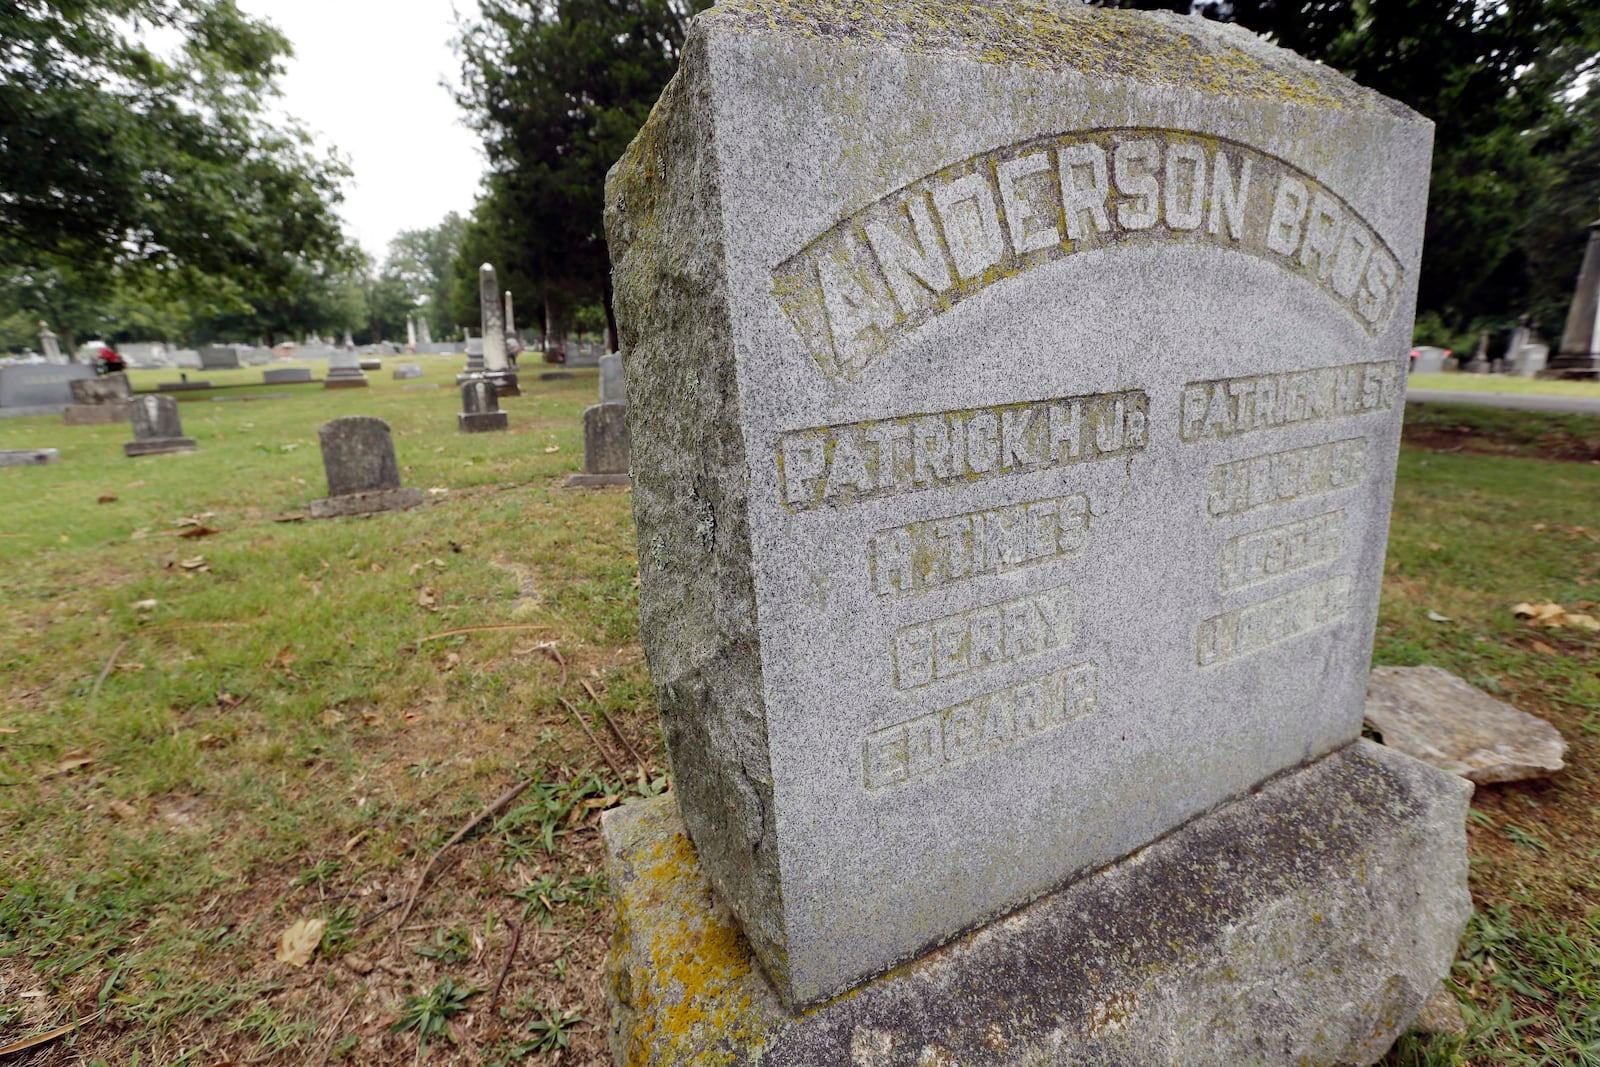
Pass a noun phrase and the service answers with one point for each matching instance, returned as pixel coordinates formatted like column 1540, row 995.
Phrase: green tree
column 1503, row 85
column 557, row 89
column 422, row 261
column 116, row 160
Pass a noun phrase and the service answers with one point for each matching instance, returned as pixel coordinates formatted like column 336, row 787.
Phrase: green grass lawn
column 1501, row 383
column 207, row 739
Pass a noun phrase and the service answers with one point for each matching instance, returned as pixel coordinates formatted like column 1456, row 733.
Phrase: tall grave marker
column 1579, row 354
column 495, row 365
column 1014, row 403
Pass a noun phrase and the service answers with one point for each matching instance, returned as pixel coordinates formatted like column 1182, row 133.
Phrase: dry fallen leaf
column 122, row 809
column 139, row 534
column 426, row 598
column 193, row 563
column 552, row 448
column 74, row 760
column 227, row 701
column 1543, row 613
column 107, row 498
column 198, row 531
column 1543, row 649
column 1587, row 622
column 298, row 943
column 145, row 605
column 10, row 730
column 1434, row 616
column 451, row 661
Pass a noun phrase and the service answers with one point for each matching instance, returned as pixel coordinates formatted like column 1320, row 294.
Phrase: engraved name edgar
column 855, row 461
column 986, row 723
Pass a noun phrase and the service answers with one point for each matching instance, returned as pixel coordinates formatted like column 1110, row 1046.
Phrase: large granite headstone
column 480, row 407
column 363, row 475
column 98, row 401
column 1014, row 403
column 157, row 429
column 1579, row 353
column 344, row 371
column 41, row 387
column 1429, row 359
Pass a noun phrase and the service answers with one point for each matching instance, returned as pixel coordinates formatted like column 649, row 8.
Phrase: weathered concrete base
column 1306, row 923
column 505, row 383
column 554, row 375
column 159, row 446
column 94, row 414
column 591, row 481
column 28, row 457
column 480, row 421
column 366, row 503
column 345, row 381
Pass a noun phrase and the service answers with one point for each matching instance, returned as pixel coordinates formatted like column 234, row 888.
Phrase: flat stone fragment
column 28, row 457
column 366, row 503
column 1429, row 713
column 1303, row 924
column 159, row 446
column 284, row 375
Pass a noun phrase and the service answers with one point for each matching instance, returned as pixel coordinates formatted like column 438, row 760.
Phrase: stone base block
column 591, row 481
column 159, row 446
column 94, row 414
column 505, row 383
column 1305, row 923
column 28, row 457
column 351, row 381
column 480, row 422
column 366, row 503
column 554, row 375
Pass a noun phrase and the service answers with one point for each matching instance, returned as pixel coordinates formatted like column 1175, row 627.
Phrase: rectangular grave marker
column 1012, row 482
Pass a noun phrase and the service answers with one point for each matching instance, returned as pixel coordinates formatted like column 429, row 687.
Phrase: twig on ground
column 555, row 654
column 380, row 913
column 595, row 741
column 111, row 661
column 471, row 824
column 617, row 732
column 505, row 968
column 333, row 1031
column 481, row 629
column 45, row 1038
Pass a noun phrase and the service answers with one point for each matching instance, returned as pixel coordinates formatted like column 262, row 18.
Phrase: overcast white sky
column 365, row 78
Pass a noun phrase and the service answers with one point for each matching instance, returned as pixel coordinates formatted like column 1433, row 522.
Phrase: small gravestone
column 605, row 447
column 371, row 363
column 222, row 357
column 1531, row 360
column 1479, row 363
column 157, row 430
column 480, row 407
column 408, row 370
column 98, row 401
column 1429, row 360
column 424, row 335
column 1014, row 415
column 283, row 375
column 1432, row 715
column 363, row 476
column 49, row 344
column 344, row 372
column 40, row 385
column 496, row 366
column 612, row 390
column 28, row 457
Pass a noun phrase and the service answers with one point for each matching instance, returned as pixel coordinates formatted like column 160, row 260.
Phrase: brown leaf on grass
column 227, row 701
column 298, row 943
column 139, row 534
column 107, row 498
column 122, row 809
column 1587, row 622
column 426, row 598
column 1543, row 649
column 451, row 661
column 284, row 657
column 198, row 531
column 1544, row 613
column 552, row 448
column 193, row 563
column 10, row 730
column 74, row 760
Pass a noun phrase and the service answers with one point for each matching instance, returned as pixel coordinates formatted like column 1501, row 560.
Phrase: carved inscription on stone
column 936, row 552
column 981, row 637
column 834, row 465
column 1229, row 407
column 856, row 289
column 1250, row 629
column 1282, row 477
column 1261, row 555
column 986, row 723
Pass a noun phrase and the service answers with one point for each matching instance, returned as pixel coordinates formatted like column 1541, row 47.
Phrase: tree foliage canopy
column 557, row 89
column 117, row 159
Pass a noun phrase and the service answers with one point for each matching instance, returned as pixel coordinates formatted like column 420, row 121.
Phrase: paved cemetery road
column 1572, row 405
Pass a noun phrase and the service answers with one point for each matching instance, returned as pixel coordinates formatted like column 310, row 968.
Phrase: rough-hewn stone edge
column 1207, row 58
column 595, row 481
column 1305, row 923
column 697, row 608
column 160, row 446
column 367, row 502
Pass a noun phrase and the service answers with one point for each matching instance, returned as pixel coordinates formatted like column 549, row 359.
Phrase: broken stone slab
column 1306, row 923
column 1432, row 715
column 366, row 503
column 28, row 457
